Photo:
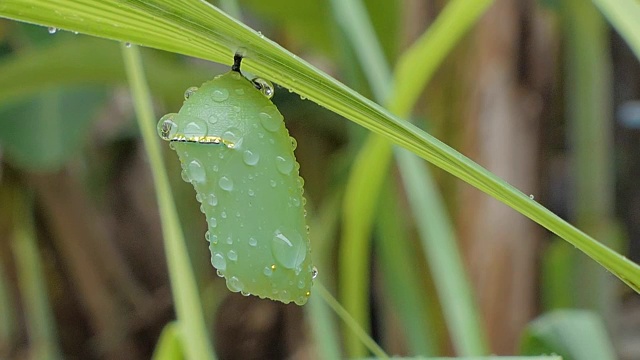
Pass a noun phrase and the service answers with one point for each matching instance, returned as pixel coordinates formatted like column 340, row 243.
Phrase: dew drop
column 232, row 255
column 271, row 182
column 270, row 118
column 250, row 192
column 220, row 95
column 213, row 200
column 195, row 128
column 225, row 183
column 294, row 142
column 531, row 197
column 295, row 201
column 250, row 158
column 127, row 44
column 185, row 176
column 253, row 241
column 232, row 138
column 314, row 272
column 213, row 119
column 219, row 273
column 219, row 262
column 234, row 284
column 301, row 300
column 288, row 248
column 265, row 87
column 301, row 284
column 190, row 91
column 52, row 30
column 223, row 214
column 196, row 171
column 167, row 127
column 199, row 198
column 213, row 222
column 267, row 271
column 229, row 240
column 207, row 236
column 284, row 165
column 214, row 239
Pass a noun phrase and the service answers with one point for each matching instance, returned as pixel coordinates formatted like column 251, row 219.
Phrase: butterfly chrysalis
column 237, row 153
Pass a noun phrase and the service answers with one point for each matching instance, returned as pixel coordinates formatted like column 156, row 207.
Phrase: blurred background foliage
column 544, row 94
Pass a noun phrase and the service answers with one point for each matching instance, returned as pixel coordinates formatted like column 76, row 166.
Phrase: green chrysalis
column 237, row 153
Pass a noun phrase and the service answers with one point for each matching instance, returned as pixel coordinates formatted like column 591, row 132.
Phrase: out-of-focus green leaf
column 41, row 328
column 184, row 288
column 169, row 346
column 544, row 357
column 436, row 232
column 558, row 274
column 310, row 22
column 42, row 134
column 7, row 314
column 89, row 61
column 572, row 334
column 196, row 28
column 623, row 15
column 403, row 283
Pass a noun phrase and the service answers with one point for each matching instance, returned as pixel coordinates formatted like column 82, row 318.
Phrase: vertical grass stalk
column 186, row 297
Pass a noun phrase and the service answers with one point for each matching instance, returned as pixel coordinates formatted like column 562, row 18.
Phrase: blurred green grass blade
column 543, row 357
column 44, row 132
column 623, row 15
column 186, row 297
column 7, row 312
column 417, row 65
column 321, row 320
column 403, row 282
column 572, row 334
column 38, row 313
column 358, row 212
column 324, row 330
column 351, row 323
column 434, row 227
column 169, row 346
column 88, row 61
column 441, row 249
column 353, row 18
column 590, row 127
column 196, row 28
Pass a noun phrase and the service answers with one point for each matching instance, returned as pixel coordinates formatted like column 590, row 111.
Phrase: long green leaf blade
column 198, row 29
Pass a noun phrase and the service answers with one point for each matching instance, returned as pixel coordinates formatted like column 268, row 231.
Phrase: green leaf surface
column 169, row 346
column 88, row 61
column 572, row 334
column 623, row 15
column 198, row 29
column 434, row 226
column 43, row 133
column 184, row 288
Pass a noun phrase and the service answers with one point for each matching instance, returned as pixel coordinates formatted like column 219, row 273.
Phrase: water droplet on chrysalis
column 220, row 95
column 234, row 284
column 288, row 248
column 196, row 171
column 219, row 262
column 190, row 91
column 284, row 165
column 225, row 183
column 167, row 127
column 265, row 87
column 52, row 30
column 250, row 158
